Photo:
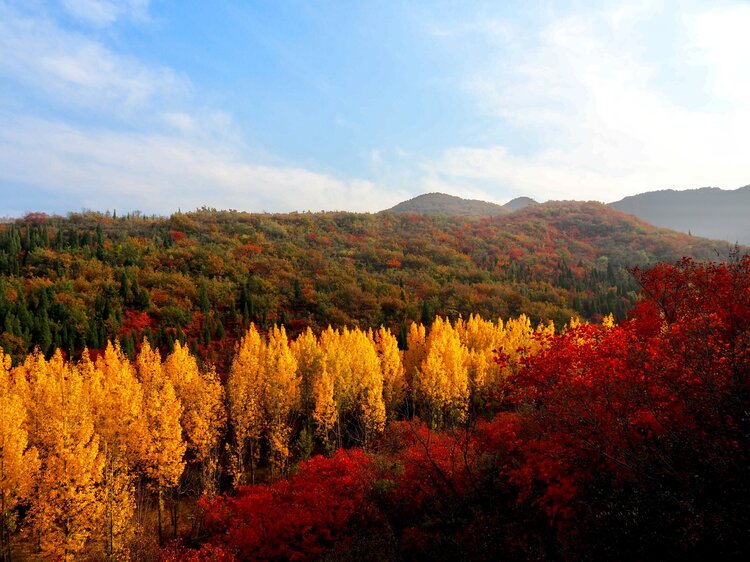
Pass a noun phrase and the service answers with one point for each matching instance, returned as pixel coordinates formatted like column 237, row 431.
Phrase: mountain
column 443, row 204
column 519, row 203
column 709, row 212
column 202, row 277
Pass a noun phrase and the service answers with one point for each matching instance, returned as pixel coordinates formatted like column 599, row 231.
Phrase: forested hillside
column 481, row 441
column 203, row 277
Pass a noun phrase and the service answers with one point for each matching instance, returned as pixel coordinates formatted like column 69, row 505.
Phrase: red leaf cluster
column 295, row 519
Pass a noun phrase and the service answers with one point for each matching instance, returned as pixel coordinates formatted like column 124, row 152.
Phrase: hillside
column 202, row 277
column 709, row 212
column 443, row 204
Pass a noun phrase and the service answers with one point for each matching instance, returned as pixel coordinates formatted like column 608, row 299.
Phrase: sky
column 278, row 106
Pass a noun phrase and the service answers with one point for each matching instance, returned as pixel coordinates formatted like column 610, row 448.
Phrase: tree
column 164, row 452
column 244, row 397
column 416, row 350
column 66, row 505
column 203, row 417
column 441, row 384
column 309, row 359
column 281, row 395
column 636, row 435
column 118, row 412
column 394, row 384
column 18, row 461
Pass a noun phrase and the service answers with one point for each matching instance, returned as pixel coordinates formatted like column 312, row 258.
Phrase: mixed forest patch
column 202, row 278
column 227, row 386
column 482, row 440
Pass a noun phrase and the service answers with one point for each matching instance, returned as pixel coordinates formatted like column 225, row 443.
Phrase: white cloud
column 71, row 69
column 101, row 13
column 154, row 147
column 605, row 110
column 159, row 173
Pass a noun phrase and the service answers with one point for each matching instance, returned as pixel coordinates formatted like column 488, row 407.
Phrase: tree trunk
column 160, row 503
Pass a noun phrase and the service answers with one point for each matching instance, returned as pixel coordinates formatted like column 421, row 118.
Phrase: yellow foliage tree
column 281, row 395
column 352, row 363
column 117, row 407
column 244, row 390
column 203, row 414
column 67, row 506
column 325, row 413
column 414, row 355
column 309, row 359
column 18, row 461
column 441, row 384
column 394, row 383
column 369, row 381
column 163, row 457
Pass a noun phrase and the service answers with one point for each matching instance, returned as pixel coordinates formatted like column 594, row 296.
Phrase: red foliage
column 177, row 235
column 657, row 405
column 136, row 321
column 295, row 519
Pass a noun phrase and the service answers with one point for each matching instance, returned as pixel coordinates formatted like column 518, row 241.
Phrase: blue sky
column 278, row 106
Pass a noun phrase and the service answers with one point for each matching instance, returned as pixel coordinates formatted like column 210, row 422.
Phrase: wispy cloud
column 69, row 68
column 104, row 169
column 101, row 13
column 152, row 145
column 608, row 112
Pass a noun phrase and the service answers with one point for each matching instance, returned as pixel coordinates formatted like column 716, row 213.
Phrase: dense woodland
column 483, row 440
column 185, row 398
column 202, row 278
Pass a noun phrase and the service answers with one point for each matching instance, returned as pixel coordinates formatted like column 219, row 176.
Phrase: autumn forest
column 564, row 382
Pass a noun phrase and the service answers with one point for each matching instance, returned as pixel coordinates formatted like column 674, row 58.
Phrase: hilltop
column 443, row 204
column 709, row 211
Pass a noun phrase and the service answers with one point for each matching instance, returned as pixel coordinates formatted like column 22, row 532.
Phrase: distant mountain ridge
column 444, row 204
column 708, row 212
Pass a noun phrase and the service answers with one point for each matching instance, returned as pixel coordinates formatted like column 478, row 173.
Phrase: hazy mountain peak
column 444, row 204
column 519, row 203
column 711, row 212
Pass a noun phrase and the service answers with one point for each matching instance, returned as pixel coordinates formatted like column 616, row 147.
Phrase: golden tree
column 325, row 413
column 244, row 393
column 203, row 414
column 281, row 395
column 441, row 384
column 309, row 359
column 414, row 355
column 18, row 461
column 117, row 407
column 352, row 363
column 394, row 383
column 163, row 457
column 66, row 505
column 369, row 384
